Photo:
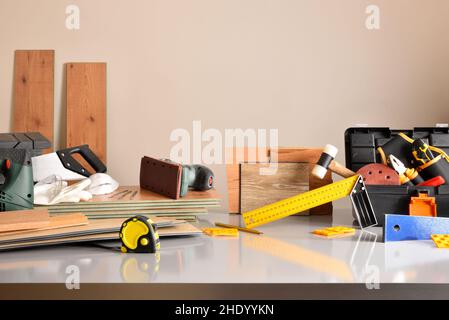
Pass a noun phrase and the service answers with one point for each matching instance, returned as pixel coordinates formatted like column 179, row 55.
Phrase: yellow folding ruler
column 353, row 187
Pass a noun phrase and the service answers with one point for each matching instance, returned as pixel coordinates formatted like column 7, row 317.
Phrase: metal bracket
column 362, row 205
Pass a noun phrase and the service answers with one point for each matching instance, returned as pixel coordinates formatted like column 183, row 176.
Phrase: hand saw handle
column 66, row 156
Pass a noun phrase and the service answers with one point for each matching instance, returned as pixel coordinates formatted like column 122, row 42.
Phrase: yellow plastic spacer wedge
column 441, row 240
column 334, row 231
column 221, row 232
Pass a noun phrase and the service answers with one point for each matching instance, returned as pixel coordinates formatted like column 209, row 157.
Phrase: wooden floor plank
column 310, row 155
column 86, row 106
column 258, row 190
column 233, row 158
column 34, row 92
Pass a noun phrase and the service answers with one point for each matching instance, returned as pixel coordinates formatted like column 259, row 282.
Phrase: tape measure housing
column 139, row 235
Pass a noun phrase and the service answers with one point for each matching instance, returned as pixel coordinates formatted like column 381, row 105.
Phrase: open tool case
column 361, row 145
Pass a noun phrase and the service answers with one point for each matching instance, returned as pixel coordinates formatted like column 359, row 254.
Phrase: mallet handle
column 337, row 168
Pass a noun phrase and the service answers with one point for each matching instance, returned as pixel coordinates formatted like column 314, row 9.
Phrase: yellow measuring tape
column 299, row 203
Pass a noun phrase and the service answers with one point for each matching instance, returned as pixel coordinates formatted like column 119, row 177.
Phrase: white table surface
column 287, row 252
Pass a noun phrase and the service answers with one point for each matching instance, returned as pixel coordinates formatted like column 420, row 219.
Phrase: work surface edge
column 229, row 291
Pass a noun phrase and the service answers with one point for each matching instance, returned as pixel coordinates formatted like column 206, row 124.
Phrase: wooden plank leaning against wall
column 34, row 92
column 86, row 106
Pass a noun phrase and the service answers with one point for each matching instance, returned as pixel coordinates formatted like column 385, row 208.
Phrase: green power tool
column 16, row 180
column 197, row 177
column 16, row 174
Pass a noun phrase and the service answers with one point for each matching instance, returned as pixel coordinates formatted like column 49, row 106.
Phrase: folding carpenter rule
column 353, row 187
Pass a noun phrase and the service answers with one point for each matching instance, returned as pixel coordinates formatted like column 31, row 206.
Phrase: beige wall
column 307, row 67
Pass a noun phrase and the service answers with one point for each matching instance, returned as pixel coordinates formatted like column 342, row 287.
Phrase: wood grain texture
column 233, row 158
column 94, row 226
column 86, row 106
column 147, row 196
column 311, row 156
column 195, row 202
column 233, row 180
column 259, row 190
column 284, row 155
column 298, row 154
column 63, row 221
column 105, row 229
column 34, row 92
column 23, row 220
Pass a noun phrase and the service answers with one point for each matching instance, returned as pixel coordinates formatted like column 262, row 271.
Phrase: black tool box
column 361, row 145
column 32, row 141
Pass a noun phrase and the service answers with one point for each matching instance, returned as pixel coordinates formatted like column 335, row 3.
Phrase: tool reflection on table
column 299, row 256
column 134, row 270
column 362, row 254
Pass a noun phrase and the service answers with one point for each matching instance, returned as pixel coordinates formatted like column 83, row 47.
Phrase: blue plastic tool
column 403, row 227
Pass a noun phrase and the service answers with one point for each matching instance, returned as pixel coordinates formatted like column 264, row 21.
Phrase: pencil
column 224, row 225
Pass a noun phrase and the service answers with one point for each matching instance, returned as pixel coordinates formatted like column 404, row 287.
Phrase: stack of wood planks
column 131, row 200
column 32, row 228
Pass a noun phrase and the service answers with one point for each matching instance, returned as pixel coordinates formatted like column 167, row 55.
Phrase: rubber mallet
column 327, row 162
